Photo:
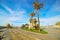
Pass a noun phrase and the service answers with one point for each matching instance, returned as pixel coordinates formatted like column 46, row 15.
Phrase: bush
column 36, row 31
column 43, row 31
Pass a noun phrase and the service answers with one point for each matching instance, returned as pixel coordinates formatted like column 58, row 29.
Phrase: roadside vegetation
column 42, row 31
column 34, row 25
column 58, row 23
column 9, row 26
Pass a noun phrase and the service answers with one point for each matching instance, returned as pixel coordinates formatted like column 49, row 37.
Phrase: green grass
column 43, row 31
column 36, row 31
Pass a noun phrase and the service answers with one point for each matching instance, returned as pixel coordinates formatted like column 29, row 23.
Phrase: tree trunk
column 38, row 27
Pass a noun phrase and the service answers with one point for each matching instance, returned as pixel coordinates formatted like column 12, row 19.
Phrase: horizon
column 17, row 12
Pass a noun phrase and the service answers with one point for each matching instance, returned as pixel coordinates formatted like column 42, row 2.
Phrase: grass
column 43, row 31
column 36, row 31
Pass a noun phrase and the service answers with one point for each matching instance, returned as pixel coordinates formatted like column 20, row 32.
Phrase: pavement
column 19, row 34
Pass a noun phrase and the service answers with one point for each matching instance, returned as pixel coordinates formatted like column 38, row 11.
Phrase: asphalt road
column 4, row 34
column 15, row 34
column 53, row 33
column 18, row 34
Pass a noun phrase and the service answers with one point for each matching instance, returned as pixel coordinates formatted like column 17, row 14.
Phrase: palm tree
column 23, row 26
column 32, row 14
column 37, row 6
column 34, row 23
column 31, row 19
column 8, row 25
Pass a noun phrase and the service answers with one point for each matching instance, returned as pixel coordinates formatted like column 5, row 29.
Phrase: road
column 18, row 34
column 4, row 33
column 15, row 34
column 53, row 33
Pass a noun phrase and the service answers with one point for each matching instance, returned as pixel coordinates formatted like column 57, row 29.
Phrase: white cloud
column 58, row 8
column 2, row 12
column 8, row 9
column 54, row 9
column 50, row 21
column 14, row 13
column 55, row 6
column 17, row 15
column 20, row 13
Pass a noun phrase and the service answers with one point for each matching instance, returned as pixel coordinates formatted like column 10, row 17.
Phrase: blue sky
column 17, row 12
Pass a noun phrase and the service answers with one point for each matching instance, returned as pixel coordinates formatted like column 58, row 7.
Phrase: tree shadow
column 1, row 37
